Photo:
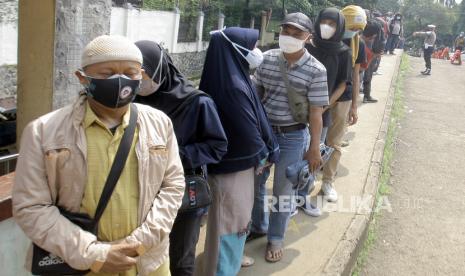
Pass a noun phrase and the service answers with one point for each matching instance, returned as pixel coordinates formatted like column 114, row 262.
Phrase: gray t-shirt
column 307, row 76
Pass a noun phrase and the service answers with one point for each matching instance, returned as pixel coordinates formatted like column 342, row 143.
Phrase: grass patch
column 397, row 112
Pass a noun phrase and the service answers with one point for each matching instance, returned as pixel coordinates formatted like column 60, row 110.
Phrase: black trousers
column 183, row 240
column 427, row 53
column 367, row 77
column 377, row 62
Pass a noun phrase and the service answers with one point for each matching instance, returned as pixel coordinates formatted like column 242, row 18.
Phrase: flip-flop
column 247, row 261
column 273, row 248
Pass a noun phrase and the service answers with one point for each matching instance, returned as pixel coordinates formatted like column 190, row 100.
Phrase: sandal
column 247, row 261
column 274, row 252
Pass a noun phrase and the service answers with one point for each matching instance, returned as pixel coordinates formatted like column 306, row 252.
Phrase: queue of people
column 115, row 183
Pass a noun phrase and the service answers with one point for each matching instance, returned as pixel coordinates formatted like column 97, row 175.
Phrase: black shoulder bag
column 197, row 193
column 46, row 263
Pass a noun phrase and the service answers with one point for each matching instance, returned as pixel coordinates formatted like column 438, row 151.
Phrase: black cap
column 298, row 20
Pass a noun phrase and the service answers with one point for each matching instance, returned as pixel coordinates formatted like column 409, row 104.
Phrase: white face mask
column 289, row 44
column 254, row 57
column 148, row 87
column 327, row 31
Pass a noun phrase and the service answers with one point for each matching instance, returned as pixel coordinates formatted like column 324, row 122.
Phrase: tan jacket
column 52, row 169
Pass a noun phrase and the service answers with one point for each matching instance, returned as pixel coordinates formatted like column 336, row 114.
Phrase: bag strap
column 118, row 164
column 283, row 70
column 282, row 67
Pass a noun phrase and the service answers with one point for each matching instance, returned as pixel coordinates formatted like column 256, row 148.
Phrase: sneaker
column 295, row 212
column 310, row 210
column 426, row 72
column 329, row 192
column 369, row 100
column 377, row 73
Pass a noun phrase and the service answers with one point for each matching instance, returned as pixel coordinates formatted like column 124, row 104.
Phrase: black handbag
column 197, row 193
column 48, row 264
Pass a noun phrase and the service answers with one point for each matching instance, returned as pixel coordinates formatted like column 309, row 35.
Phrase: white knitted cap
column 110, row 48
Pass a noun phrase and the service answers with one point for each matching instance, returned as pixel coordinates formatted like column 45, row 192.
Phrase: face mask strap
column 119, row 91
column 159, row 66
column 235, row 45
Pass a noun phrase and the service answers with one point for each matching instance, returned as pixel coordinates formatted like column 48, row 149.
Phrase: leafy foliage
column 420, row 13
column 417, row 13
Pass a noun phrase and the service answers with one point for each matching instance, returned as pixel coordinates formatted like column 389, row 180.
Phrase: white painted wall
column 8, row 43
column 159, row 26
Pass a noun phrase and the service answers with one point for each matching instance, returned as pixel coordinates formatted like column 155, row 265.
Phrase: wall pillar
column 36, row 43
column 52, row 35
column 177, row 19
column 200, row 31
column 263, row 28
column 221, row 21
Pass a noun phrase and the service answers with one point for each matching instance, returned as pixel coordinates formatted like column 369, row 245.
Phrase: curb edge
column 345, row 255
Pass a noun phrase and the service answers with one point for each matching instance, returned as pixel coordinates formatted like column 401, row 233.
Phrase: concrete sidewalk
column 326, row 245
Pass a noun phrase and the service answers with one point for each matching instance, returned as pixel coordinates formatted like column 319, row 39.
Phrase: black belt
column 285, row 129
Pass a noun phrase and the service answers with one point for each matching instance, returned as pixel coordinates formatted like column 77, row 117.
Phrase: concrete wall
column 190, row 64
column 159, row 26
column 13, row 249
column 162, row 27
column 8, row 47
column 8, row 31
column 8, row 83
column 77, row 23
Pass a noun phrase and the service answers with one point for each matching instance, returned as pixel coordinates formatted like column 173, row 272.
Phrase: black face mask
column 116, row 91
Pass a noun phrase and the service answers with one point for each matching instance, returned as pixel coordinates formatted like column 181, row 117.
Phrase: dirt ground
column 425, row 232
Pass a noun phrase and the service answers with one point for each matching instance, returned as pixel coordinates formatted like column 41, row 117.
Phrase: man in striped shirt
column 307, row 77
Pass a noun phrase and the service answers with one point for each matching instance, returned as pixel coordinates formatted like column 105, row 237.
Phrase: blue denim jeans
column 292, row 147
column 260, row 215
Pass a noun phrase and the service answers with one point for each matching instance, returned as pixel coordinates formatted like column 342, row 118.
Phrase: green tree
column 419, row 13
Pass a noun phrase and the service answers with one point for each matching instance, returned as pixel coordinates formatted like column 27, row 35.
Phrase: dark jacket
column 226, row 79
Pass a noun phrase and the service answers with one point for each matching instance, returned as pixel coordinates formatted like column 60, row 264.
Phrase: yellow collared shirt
column 120, row 216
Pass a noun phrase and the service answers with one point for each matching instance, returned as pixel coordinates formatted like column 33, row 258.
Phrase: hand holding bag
column 46, row 263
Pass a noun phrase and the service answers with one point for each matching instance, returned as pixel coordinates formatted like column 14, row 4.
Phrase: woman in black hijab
column 251, row 144
column 329, row 49
column 200, row 135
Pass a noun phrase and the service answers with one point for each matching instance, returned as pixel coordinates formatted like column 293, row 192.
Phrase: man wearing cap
column 307, row 77
column 430, row 40
column 66, row 156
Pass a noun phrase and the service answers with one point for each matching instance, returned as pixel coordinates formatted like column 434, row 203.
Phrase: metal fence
column 8, row 163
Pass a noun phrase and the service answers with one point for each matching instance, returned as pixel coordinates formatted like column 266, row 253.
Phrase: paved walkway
column 310, row 242
column 424, row 234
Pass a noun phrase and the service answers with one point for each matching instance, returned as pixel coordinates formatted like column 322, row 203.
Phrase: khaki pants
column 228, row 219
column 339, row 114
